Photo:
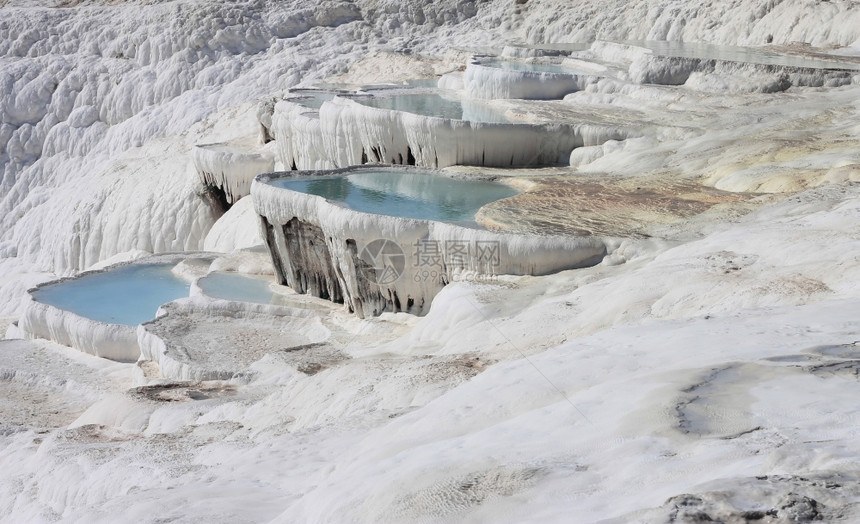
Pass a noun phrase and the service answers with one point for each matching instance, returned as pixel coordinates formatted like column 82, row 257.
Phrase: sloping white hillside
column 707, row 369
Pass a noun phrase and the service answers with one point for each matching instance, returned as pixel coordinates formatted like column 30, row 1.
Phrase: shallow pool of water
column 313, row 99
column 421, row 195
column 431, row 104
column 527, row 67
column 750, row 55
column 125, row 295
column 414, row 82
column 241, row 288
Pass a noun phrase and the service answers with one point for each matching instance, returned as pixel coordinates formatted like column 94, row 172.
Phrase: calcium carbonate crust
column 174, row 362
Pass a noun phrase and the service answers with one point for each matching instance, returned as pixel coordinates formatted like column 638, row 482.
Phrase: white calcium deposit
column 704, row 370
column 482, row 81
column 345, row 132
column 230, row 168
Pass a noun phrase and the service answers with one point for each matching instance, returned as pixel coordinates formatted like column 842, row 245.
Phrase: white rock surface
column 202, row 339
column 238, row 228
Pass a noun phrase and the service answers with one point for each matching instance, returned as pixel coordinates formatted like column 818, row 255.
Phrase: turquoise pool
column 529, row 67
column 241, row 288
column 127, row 295
column 411, row 194
column 431, row 104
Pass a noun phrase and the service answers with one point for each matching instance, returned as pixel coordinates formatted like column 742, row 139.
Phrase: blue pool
column 126, row 295
column 241, row 288
column 410, row 194
column 312, row 99
column 431, row 104
column 529, row 67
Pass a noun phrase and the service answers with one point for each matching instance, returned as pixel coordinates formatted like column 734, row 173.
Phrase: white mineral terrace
column 620, row 283
column 98, row 311
column 102, row 339
column 230, row 168
column 318, row 247
column 346, row 132
column 723, row 68
column 533, row 80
